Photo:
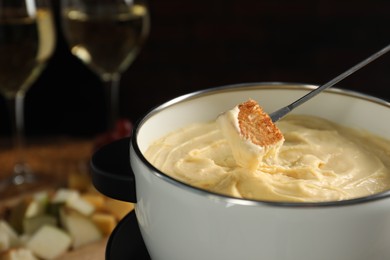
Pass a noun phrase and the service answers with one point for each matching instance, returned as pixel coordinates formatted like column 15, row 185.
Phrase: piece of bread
column 251, row 134
column 256, row 125
column 17, row 254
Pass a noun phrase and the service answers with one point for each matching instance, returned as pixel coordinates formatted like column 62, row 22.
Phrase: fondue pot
column 181, row 222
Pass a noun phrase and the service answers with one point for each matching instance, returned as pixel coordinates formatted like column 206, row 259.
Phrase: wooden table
column 56, row 157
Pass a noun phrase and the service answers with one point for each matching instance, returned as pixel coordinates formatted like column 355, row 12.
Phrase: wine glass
column 27, row 41
column 106, row 35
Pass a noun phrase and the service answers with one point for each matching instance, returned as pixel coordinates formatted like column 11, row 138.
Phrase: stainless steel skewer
column 278, row 114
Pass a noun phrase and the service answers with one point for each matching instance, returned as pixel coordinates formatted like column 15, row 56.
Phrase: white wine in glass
column 27, row 41
column 106, row 35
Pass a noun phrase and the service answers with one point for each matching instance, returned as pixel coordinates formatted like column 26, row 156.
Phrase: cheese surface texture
column 318, row 161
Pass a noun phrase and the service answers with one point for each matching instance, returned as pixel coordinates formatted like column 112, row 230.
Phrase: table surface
column 57, row 157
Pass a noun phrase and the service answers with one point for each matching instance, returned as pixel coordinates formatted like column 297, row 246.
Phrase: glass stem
column 21, row 171
column 112, row 96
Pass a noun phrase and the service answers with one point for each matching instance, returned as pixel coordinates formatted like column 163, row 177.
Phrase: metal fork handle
column 278, row 114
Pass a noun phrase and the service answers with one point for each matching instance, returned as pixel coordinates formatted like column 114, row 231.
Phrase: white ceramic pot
column 180, row 222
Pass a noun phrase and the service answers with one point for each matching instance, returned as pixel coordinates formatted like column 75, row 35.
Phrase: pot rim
column 242, row 201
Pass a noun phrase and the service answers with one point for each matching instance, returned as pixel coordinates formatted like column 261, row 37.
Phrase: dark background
column 195, row 45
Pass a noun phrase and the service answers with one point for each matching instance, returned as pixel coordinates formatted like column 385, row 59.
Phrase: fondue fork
column 278, row 114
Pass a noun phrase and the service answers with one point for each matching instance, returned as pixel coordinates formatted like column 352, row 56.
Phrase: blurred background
column 196, row 45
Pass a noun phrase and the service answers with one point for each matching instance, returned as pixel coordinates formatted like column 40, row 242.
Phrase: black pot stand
column 126, row 242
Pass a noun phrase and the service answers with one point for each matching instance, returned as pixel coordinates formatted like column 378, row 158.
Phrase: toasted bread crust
column 256, row 125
